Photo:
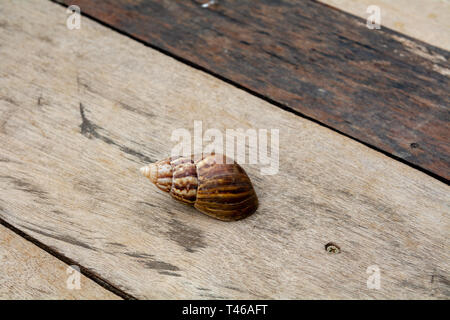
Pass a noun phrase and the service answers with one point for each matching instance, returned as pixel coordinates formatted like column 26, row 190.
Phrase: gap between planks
column 68, row 261
column 428, row 21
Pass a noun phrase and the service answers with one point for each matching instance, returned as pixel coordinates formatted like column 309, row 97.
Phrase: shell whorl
column 178, row 176
column 184, row 180
column 224, row 191
column 214, row 185
column 150, row 171
column 160, row 173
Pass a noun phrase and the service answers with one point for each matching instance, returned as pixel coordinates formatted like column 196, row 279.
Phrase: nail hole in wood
column 414, row 145
column 331, row 247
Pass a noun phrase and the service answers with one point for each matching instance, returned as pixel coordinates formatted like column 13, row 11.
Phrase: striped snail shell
column 214, row 185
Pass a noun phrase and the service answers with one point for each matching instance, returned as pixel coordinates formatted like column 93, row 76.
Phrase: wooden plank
column 378, row 86
column 29, row 272
column 426, row 20
column 82, row 110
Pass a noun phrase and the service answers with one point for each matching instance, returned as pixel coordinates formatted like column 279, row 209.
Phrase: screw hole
column 414, row 145
column 333, row 248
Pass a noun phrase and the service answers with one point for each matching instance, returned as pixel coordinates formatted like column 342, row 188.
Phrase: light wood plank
column 28, row 272
column 426, row 20
column 70, row 178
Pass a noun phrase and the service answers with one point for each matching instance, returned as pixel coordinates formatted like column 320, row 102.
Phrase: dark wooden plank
column 377, row 86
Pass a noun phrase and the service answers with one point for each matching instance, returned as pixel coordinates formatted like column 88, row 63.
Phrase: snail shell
column 220, row 189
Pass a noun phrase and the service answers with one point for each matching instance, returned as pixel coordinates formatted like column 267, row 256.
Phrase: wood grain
column 29, row 272
column 378, row 86
column 82, row 110
column 425, row 20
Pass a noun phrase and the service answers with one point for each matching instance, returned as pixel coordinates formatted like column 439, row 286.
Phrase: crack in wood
column 26, row 187
column 65, row 238
column 83, row 270
column 89, row 130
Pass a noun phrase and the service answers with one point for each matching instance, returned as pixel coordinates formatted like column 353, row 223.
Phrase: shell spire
column 150, row 171
column 160, row 173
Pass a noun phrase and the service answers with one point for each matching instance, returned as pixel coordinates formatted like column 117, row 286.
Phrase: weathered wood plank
column 426, row 20
column 29, row 272
column 82, row 110
column 378, row 86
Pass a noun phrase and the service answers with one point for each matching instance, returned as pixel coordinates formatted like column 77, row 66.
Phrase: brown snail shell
column 211, row 184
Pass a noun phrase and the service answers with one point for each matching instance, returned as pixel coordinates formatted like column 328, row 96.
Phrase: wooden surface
column 426, row 20
column 28, row 272
column 378, row 86
column 83, row 110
